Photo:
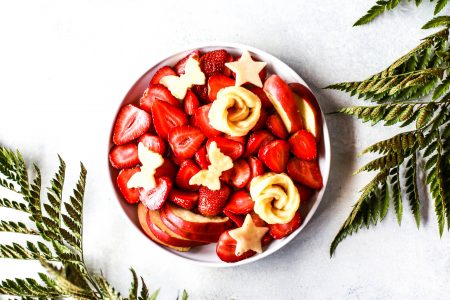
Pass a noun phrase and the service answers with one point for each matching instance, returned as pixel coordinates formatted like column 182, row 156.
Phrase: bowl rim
column 325, row 139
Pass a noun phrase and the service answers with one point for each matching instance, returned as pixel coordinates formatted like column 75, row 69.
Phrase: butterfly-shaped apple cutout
column 178, row 85
column 145, row 178
column 211, row 177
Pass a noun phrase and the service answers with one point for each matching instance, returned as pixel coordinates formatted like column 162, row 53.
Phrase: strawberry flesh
column 228, row 147
column 275, row 155
column 155, row 198
column 226, row 249
column 212, row 202
column 201, row 158
column 257, row 140
column 256, row 168
column 190, row 103
column 168, row 169
column 265, row 102
column 162, row 72
column 240, row 203
column 241, row 174
column 216, row 83
column 276, row 126
column 187, row 169
column 184, row 199
column 305, row 172
column 130, row 195
column 156, row 92
column 279, row 231
column 166, row 117
column 185, row 141
column 153, row 142
column 180, row 65
column 201, row 120
column 303, row 145
column 124, row 156
column 131, row 123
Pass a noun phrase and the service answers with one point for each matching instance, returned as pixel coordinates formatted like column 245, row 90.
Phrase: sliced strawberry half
column 212, row 202
column 131, row 123
column 130, row 195
column 185, row 141
column 190, row 103
column 162, row 72
column 262, row 121
column 241, row 174
column 305, row 192
column 179, row 67
column 201, row 158
column 201, row 91
column 187, row 169
column 257, row 140
column 155, row 198
column 201, row 120
column 184, row 199
column 275, row 155
column 124, row 156
column 238, row 220
column 240, row 203
column 279, row 231
column 153, row 142
column 157, row 92
column 216, row 83
column 305, row 172
column 276, row 126
column 213, row 62
column 166, row 117
column 228, row 147
column 226, row 249
column 239, row 139
column 168, row 169
column 256, row 168
column 303, row 145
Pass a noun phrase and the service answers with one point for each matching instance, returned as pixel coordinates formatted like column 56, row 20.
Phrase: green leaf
column 440, row 5
column 396, row 193
column 377, row 10
column 437, row 22
column 442, row 88
column 411, row 188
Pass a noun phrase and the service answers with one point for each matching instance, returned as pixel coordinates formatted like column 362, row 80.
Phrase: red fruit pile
column 180, row 215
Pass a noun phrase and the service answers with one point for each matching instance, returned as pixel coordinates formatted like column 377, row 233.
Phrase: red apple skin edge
column 302, row 93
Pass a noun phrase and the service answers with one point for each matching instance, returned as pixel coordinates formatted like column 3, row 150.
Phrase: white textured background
column 65, row 66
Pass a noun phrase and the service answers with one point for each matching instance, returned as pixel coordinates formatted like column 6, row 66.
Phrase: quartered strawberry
column 305, row 172
column 124, row 156
column 265, row 102
column 275, row 155
column 305, row 192
column 240, row 203
column 190, row 103
column 131, row 123
column 256, row 168
column 168, row 169
column 185, row 141
column 216, row 83
column 228, row 147
column 213, row 62
column 162, row 72
column 238, row 220
column 156, row 92
column 226, row 249
column 201, row 91
column 303, row 145
column 184, row 199
column 187, row 169
column 201, row 158
column 201, row 120
column 166, row 117
column 153, row 142
column 263, row 115
column 155, row 198
column 276, row 126
column 211, row 203
column 256, row 140
column 179, row 67
column 279, row 231
column 130, row 195
column 241, row 174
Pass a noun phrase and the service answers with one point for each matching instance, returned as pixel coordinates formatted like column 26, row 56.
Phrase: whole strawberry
column 211, row 203
column 213, row 62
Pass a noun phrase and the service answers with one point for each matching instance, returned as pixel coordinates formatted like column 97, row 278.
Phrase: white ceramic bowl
column 206, row 255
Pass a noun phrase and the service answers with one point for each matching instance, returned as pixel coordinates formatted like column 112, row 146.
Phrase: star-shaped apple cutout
column 248, row 237
column 247, row 70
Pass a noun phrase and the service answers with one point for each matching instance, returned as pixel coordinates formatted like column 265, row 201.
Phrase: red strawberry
column 226, row 175
column 179, row 67
column 190, row 103
column 256, row 140
column 166, row 117
column 201, row 158
column 241, row 174
column 201, row 91
column 185, row 141
column 187, row 169
column 275, row 155
column 303, row 145
column 240, row 203
column 162, row 72
column 130, row 195
column 201, row 120
column 227, row 71
column 124, row 156
column 216, row 83
column 228, row 147
column 177, row 160
column 238, row 220
column 156, row 92
column 262, row 120
column 256, row 168
column 276, row 126
column 168, row 169
column 279, row 231
column 261, row 95
column 213, row 62
column 226, row 249
column 184, row 199
column 305, row 192
column 211, row 203
column 239, row 139
column 155, row 198
column 131, row 123
column 261, row 223
column 153, row 142
column 306, row 172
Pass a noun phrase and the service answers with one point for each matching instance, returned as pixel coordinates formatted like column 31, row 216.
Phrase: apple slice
column 142, row 216
column 309, row 108
column 284, row 102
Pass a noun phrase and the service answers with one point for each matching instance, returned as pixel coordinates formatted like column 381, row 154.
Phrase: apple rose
column 276, row 197
column 235, row 111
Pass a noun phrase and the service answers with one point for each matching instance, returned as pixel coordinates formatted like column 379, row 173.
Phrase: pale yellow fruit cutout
column 276, row 197
column 247, row 70
column 178, row 85
column 235, row 111
column 150, row 162
column 248, row 237
column 211, row 177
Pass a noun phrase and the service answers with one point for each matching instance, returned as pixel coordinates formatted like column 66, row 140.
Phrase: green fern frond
column 6, row 203
column 17, row 227
column 411, row 188
column 377, row 10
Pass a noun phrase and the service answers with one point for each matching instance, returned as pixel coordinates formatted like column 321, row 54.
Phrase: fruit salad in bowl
column 220, row 154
